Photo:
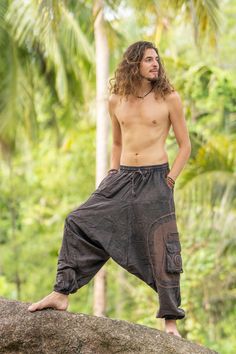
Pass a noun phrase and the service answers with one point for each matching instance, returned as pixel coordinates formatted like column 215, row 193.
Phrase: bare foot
column 170, row 327
column 55, row 300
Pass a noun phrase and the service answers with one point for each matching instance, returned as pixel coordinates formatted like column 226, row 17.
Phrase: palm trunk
column 102, row 74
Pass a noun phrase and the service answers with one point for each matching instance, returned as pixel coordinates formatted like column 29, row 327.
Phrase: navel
column 136, row 153
column 122, row 122
column 154, row 122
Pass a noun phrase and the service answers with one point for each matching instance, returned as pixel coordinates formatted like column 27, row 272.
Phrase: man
column 131, row 215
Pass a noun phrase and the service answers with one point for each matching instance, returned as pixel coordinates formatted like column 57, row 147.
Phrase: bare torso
column 144, row 125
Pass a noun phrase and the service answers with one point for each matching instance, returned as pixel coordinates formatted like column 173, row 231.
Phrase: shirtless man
column 131, row 215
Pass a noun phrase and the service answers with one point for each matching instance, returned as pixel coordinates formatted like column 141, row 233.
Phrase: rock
column 60, row 332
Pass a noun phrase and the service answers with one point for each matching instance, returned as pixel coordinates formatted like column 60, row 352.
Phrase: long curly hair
column 127, row 77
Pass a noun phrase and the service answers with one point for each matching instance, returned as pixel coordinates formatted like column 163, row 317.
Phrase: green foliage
column 40, row 187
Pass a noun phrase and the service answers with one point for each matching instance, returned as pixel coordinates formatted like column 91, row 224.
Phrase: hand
column 112, row 170
column 170, row 182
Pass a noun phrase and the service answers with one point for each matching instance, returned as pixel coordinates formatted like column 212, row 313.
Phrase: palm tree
column 102, row 74
column 42, row 40
column 204, row 16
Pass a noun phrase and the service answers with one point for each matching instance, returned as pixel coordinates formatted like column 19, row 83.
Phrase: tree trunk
column 102, row 75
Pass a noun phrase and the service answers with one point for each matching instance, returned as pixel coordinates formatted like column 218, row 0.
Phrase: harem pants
column 130, row 217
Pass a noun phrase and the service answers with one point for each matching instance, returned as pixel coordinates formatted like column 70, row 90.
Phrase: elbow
column 188, row 149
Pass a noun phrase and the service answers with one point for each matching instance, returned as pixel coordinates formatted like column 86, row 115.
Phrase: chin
column 152, row 79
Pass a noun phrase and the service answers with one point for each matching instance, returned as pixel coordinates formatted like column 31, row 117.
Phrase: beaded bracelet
column 170, row 182
column 171, row 179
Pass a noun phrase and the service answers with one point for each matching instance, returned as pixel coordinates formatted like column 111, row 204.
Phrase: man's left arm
column 176, row 116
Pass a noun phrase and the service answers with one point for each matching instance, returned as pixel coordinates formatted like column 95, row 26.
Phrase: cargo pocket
column 173, row 253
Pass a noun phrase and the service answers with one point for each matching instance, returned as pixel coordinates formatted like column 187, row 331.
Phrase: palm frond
column 8, row 94
column 41, row 23
column 205, row 17
column 74, row 37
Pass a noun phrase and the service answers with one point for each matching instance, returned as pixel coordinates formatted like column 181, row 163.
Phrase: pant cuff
column 170, row 316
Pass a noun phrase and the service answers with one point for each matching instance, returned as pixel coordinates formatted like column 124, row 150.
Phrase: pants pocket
column 106, row 184
column 165, row 181
column 173, row 253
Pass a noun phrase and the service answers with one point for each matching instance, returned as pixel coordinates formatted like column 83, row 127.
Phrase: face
column 149, row 65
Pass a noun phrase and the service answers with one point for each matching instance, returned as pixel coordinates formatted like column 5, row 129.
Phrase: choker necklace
column 146, row 93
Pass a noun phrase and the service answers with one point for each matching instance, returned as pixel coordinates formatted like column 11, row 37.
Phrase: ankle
column 60, row 294
column 170, row 321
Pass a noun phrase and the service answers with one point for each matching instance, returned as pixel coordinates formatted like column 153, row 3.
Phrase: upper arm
column 176, row 115
column 116, row 131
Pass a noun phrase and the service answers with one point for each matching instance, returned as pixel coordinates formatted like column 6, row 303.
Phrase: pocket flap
column 172, row 242
column 173, row 246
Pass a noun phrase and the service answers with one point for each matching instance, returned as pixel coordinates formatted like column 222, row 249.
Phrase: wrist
column 112, row 170
column 170, row 181
column 171, row 178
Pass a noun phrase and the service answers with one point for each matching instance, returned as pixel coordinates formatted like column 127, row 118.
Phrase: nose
column 155, row 65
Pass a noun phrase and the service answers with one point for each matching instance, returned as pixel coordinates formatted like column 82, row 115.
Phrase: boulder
column 61, row 332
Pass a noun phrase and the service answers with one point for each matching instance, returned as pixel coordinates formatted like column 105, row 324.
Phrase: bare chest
column 147, row 112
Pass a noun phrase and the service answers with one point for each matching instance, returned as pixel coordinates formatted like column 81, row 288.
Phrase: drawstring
column 132, row 179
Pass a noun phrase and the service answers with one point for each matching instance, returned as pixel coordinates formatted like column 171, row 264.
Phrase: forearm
column 180, row 161
column 115, row 156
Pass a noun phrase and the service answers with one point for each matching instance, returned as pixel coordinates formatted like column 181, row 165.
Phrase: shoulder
column 175, row 106
column 112, row 100
column 173, row 98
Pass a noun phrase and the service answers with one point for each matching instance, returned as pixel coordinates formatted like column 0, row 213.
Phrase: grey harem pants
column 130, row 217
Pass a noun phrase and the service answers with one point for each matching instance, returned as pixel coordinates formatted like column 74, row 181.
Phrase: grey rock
column 60, row 332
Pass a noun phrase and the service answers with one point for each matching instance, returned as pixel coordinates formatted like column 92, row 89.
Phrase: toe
column 32, row 307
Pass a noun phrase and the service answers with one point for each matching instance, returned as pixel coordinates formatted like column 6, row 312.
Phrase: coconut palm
column 46, row 43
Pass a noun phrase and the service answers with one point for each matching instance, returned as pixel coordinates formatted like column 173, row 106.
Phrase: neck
column 144, row 87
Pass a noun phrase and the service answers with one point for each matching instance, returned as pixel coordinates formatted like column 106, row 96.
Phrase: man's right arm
column 116, row 134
